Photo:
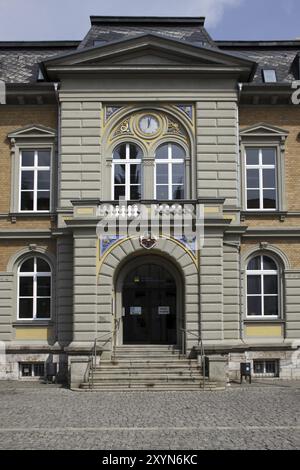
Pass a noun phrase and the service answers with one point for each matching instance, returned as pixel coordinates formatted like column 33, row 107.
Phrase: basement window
column 32, row 369
column 269, row 75
column 266, row 368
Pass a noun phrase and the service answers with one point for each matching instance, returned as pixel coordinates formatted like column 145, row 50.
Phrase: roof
column 277, row 55
column 19, row 61
column 148, row 19
column 110, row 29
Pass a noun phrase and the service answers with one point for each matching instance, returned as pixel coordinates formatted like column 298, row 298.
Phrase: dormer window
column 269, row 75
column 40, row 76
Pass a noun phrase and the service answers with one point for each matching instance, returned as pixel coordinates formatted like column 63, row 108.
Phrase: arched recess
column 22, row 255
column 148, row 145
column 110, row 280
column 130, row 110
column 273, row 251
column 26, row 252
column 283, row 263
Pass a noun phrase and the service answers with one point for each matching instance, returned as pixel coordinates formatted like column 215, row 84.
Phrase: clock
column 148, row 124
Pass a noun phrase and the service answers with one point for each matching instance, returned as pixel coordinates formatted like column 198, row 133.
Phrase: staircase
column 147, row 368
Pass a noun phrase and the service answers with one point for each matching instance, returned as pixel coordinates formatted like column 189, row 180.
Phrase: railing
column 185, row 333
column 131, row 209
column 93, row 356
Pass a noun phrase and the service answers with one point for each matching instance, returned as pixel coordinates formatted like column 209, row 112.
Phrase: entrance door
column 149, row 306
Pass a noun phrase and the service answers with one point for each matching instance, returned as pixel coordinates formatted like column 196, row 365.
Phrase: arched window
column 262, row 287
column 34, row 294
column 126, row 172
column 170, row 172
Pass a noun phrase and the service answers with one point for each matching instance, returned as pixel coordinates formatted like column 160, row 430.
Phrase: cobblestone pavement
column 257, row 416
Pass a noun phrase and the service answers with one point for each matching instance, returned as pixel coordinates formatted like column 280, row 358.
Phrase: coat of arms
column 148, row 241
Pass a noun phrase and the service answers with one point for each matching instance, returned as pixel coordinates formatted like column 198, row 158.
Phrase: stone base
column 289, row 363
column 218, row 369
column 10, row 364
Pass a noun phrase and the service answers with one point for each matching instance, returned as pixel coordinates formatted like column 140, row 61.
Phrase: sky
column 225, row 19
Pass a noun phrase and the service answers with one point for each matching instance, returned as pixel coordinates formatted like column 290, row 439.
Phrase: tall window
column 261, row 178
column 35, row 180
column 126, row 172
column 262, row 287
column 169, row 172
column 34, row 289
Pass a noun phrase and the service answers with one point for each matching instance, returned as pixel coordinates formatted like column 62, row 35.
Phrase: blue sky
column 226, row 19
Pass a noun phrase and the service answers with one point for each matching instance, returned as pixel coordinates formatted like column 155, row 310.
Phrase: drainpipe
column 240, row 87
column 56, row 87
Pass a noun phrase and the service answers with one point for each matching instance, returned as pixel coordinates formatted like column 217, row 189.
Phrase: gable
column 32, row 131
column 149, row 50
column 263, row 129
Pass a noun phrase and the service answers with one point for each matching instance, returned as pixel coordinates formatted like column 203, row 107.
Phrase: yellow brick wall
column 12, row 118
column 291, row 248
column 10, row 247
column 288, row 118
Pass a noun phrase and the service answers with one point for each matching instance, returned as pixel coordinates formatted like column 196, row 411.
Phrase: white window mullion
column 261, row 193
column 262, row 295
column 34, row 288
column 170, row 180
column 127, row 181
column 170, row 176
column 35, row 184
column 127, row 173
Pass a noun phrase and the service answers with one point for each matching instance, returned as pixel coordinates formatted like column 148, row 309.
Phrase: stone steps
column 147, row 368
column 151, row 387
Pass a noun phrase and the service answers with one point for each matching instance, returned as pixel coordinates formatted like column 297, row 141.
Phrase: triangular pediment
column 148, row 50
column 263, row 129
column 32, row 131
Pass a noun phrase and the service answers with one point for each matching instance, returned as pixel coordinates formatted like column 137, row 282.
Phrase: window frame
column 260, row 167
column 34, row 137
column 127, row 162
column 261, row 136
column 262, row 273
column 170, row 162
column 32, row 365
column 35, row 274
column 35, row 168
column 265, row 373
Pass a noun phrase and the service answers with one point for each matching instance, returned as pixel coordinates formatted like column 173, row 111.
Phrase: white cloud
column 53, row 19
column 212, row 9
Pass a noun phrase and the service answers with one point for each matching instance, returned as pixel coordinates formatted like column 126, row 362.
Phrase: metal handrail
column 93, row 355
column 200, row 348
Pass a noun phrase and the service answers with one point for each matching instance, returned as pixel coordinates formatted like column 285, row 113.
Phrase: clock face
column 148, row 124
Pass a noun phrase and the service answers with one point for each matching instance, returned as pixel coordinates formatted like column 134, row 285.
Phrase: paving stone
column 258, row 416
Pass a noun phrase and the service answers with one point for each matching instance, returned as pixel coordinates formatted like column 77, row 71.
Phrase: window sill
column 35, row 215
column 269, row 213
column 33, row 323
column 31, row 214
column 264, row 320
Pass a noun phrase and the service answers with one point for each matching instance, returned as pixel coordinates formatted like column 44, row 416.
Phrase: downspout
column 56, row 86
column 240, row 88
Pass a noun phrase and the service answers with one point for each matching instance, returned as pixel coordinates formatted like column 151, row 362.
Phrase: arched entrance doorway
column 149, row 293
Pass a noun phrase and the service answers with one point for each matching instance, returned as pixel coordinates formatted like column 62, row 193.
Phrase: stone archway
column 149, row 292
column 124, row 252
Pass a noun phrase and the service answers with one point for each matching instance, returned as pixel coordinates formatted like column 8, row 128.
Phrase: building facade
column 149, row 114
